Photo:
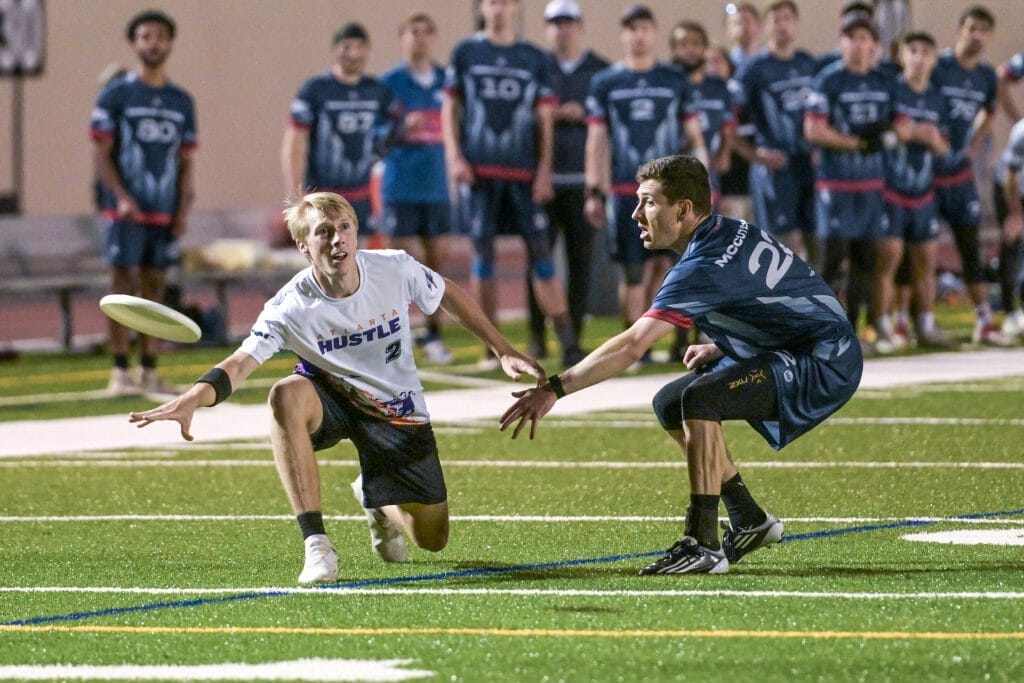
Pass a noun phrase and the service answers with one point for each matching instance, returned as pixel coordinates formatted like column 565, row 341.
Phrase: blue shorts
column 364, row 213
column 959, row 204
column 851, row 215
column 912, row 224
column 624, row 244
column 810, row 386
column 783, row 200
column 408, row 219
column 398, row 461
column 132, row 245
column 491, row 207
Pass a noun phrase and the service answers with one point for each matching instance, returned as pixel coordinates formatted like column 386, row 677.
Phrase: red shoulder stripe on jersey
column 101, row 135
column 670, row 317
column 624, row 189
column 817, row 115
column 550, row 100
column 297, row 124
column 596, row 119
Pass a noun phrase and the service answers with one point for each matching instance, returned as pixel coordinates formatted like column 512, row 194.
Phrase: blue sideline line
column 469, row 573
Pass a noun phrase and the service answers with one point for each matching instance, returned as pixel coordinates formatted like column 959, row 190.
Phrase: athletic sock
column 983, row 313
column 121, row 361
column 702, row 520
column 148, row 361
column 433, row 329
column 311, row 523
column 926, row 321
column 743, row 510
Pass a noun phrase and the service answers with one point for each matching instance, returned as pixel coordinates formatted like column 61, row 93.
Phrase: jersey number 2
column 777, row 266
column 392, row 351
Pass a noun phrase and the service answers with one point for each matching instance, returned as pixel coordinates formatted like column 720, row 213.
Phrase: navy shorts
column 851, row 215
column 492, row 207
column 406, row 219
column 810, row 385
column 132, row 245
column 398, row 461
column 624, row 244
column 783, row 200
column 914, row 225
column 959, row 205
column 364, row 213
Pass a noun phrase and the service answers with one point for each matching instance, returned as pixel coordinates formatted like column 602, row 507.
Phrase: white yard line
column 543, row 519
column 230, row 421
column 530, row 592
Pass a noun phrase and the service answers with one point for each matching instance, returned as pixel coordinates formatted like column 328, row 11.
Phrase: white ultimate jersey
column 362, row 341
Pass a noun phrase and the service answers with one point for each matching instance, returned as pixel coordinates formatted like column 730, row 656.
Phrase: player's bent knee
column 668, row 407
column 290, row 395
column 698, row 403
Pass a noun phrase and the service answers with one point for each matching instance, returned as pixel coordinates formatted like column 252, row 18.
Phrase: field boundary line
column 525, row 632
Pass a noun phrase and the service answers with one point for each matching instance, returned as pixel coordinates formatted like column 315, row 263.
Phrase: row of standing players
column 850, row 159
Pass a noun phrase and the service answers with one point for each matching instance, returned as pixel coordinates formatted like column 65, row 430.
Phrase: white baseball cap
column 562, row 9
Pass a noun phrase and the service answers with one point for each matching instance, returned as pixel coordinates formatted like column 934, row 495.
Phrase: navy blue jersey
column 772, row 96
column 414, row 170
column 571, row 136
column 910, row 168
column 500, row 87
column 712, row 103
column 966, row 93
column 345, row 122
column 150, row 127
column 644, row 111
column 750, row 294
column 854, row 104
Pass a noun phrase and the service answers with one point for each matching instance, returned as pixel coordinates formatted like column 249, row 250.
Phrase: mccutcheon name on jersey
column 737, row 242
column 376, row 329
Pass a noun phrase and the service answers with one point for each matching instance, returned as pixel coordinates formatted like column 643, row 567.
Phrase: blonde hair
column 328, row 204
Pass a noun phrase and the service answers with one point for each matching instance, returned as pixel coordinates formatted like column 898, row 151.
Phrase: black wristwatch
column 594, row 192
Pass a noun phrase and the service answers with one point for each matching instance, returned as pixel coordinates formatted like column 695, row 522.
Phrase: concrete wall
column 244, row 59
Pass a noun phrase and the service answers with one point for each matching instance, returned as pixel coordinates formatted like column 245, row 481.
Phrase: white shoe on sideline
column 1013, row 324
column 386, row 541
column 436, row 352
column 122, row 383
column 321, row 561
column 150, row 382
column 989, row 334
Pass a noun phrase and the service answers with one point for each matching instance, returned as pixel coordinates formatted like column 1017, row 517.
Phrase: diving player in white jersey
column 346, row 318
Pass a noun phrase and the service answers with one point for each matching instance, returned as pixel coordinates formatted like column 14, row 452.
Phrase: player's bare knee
column 289, row 398
column 434, row 542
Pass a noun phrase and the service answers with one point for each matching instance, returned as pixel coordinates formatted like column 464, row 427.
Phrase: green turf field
column 188, row 555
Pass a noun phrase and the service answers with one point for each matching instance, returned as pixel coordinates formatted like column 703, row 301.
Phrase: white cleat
column 150, row 382
column 1013, row 324
column 989, row 334
column 122, row 383
column 386, row 541
column 321, row 561
column 436, row 352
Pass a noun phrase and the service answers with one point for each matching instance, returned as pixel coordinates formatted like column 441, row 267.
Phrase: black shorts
column 399, row 462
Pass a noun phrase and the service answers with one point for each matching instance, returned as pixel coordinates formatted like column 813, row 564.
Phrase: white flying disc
column 150, row 318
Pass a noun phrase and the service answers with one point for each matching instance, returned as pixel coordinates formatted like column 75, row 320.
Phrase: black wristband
column 219, row 380
column 594, row 192
column 556, row 386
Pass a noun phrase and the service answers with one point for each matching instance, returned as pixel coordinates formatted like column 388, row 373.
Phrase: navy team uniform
column 910, row 170
column 712, row 103
column 345, row 123
column 149, row 127
column 966, row 93
column 500, row 86
column 849, row 183
column 414, row 189
column 645, row 113
column 791, row 357
column 771, row 96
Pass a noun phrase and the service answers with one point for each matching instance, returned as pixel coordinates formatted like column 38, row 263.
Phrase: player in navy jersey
column 637, row 109
column 711, row 100
column 571, row 67
column 783, row 356
column 144, row 130
column 969, row 86
column 339, row 120
column 848, row 115
column 497, row 120
column 414, row 190
column 773, row 88
column 910, row 200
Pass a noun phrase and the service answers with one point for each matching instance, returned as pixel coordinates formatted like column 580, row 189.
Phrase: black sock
column 147, row 361
column 565, row 331
column 433, row 329
column 311, row 523
column 743, row 510
column 702, row 520
column 121, row 361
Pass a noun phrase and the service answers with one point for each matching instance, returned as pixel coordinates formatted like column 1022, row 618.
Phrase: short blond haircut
column 328, row 204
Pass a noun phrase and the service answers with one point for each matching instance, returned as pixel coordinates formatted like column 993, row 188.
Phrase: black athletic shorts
column 399, row 461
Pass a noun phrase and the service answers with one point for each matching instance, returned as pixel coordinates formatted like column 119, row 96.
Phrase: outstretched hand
column 516, row 364
column 533, row 404
column 180, row 410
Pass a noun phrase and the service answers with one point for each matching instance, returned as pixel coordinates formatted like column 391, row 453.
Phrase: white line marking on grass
column 297, row 670
column 528, row 464
column 529, row 592
column 543, row 519
column 971, row 537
